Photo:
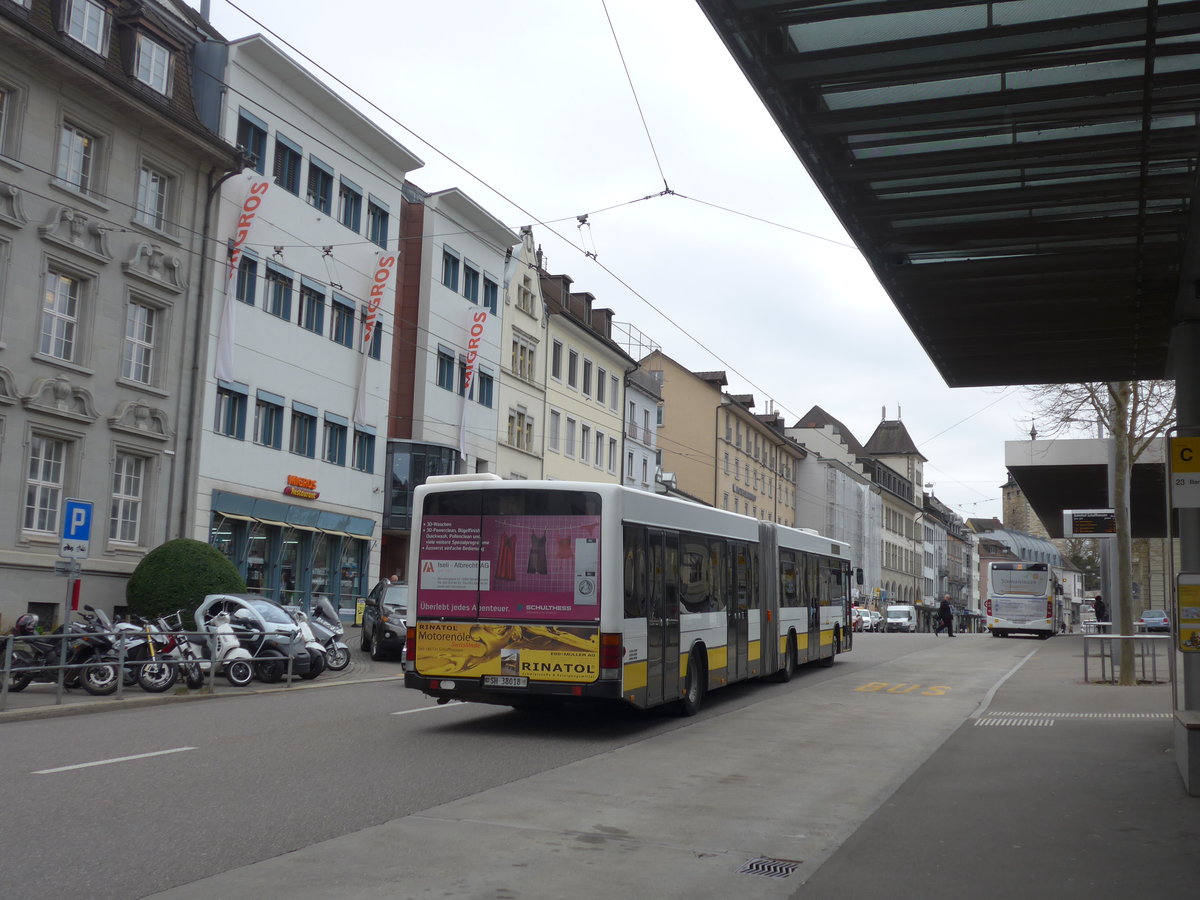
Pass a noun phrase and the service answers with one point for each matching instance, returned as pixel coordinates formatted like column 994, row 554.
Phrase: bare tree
column 1134, row 413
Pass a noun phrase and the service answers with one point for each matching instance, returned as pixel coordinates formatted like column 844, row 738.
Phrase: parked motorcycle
column 328, row 629
column 190, row 654
column 36, row 658
column 146, row 649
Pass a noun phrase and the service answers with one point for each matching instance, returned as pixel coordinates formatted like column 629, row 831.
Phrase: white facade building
column 290, row 466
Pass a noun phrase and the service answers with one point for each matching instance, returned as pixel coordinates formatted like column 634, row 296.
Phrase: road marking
column 405, row 712
column 987, row 698
column 887, row 687
column 117, row 759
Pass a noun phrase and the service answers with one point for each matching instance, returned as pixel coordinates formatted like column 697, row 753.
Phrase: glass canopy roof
column 1018, row 174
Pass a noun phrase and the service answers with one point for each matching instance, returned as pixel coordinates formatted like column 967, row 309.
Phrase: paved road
column 364, row 790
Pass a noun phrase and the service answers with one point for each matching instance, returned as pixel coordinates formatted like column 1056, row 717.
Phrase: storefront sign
column 304, row 488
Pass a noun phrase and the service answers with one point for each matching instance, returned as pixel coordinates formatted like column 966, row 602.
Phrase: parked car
column 265, row 629
column 860, row 619
column 385, row 620
column 1154, row 620
column 876, row 620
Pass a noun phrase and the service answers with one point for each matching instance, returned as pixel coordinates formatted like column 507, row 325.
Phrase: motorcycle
column 146, row 649
column 190, row 657
column 35, row 658
column 327, row 628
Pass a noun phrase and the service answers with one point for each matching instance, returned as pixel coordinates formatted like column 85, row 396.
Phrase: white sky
column 531, row 99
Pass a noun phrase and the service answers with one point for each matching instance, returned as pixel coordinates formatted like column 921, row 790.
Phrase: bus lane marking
column 405, row 712
column 903, row 687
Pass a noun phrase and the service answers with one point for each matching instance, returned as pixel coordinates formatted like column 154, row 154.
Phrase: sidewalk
column 37, row 701
column 1057, row 789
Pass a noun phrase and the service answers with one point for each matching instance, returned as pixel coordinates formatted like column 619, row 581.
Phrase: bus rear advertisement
column 532, row 593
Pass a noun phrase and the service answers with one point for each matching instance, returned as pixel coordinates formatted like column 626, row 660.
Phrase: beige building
column 720, row 451
column 585, row 386
column 899, row 470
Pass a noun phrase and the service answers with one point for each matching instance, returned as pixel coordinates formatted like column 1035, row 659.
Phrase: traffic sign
column 1185, row 472
column 77, row 529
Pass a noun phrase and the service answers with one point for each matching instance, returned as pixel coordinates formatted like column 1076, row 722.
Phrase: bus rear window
column 531, row 556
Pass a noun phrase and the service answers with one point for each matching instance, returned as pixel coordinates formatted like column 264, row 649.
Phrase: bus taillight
column 987, row 607
column 1049, row 609
column 611, row 654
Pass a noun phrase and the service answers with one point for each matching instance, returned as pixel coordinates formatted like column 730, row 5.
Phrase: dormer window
column 153, row 66
column 87, row 22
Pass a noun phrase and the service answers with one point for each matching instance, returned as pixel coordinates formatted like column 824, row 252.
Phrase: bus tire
column 784, row 675
column 827, row 662
column 693, row 694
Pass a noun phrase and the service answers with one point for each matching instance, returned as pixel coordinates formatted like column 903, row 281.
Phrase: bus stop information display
column 1086, row 523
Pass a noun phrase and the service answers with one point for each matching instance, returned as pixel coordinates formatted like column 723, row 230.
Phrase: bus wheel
column 693, row 696
column 827, row 662
column 784, row 675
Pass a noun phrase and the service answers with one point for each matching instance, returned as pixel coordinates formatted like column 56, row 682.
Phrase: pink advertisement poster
column 528, row 568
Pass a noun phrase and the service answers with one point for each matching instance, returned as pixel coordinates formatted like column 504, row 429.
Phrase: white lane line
column 987, row 699
column 405, row 712
column 117, row 759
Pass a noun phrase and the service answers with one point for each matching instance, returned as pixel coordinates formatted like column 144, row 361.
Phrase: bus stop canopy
column 1019, row 175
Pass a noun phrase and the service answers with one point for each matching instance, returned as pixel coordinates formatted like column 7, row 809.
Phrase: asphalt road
column 127, row 803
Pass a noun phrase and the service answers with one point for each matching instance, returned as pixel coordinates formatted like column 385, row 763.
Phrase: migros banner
column 538, row 652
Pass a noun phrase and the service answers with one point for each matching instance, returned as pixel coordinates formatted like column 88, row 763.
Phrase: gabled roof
column 818, row 418
column 891, row 438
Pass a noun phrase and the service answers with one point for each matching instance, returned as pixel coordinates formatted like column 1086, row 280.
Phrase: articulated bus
column 530, row 593
column 1021, row 599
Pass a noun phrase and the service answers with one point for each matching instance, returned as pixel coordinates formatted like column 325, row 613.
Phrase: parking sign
column 76, row 529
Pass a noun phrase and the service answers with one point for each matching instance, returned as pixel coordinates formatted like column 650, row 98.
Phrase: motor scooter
column 316, row 651
column 328, row 629
column 224, row 651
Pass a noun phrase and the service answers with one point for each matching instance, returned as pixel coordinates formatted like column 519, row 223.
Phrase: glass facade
column 290, row 553
column 410, row 465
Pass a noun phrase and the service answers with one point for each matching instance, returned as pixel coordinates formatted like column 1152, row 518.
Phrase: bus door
column 662, row 620
column 812, row 602
column 741, row 599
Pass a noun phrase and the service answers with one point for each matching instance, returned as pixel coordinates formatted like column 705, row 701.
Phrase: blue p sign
column 77, row 529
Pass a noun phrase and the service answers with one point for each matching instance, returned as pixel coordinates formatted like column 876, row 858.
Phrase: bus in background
column 1021, row 599
column 530, row 593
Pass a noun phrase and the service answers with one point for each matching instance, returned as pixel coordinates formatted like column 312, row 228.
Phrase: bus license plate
column 517, row 681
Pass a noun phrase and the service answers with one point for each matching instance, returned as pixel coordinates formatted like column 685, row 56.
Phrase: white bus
column 1021, row 599
column 529, row 593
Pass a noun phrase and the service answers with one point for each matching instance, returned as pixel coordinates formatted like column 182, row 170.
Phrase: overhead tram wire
column 621, row 281
column 636, row 101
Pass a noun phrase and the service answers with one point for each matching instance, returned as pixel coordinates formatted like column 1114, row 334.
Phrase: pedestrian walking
column 946, row 614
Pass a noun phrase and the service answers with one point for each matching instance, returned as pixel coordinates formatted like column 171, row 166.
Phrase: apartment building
column 643, row 416
column 109, row 131
column 523, row 377
column 585, row 386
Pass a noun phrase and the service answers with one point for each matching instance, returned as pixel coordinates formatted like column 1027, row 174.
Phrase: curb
column 99, row 706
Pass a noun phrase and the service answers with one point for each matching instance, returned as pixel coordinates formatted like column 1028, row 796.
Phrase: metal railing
column 116, row 657
column 1144, row 645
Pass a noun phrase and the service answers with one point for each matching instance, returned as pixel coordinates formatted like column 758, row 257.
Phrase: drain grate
column 772, row 868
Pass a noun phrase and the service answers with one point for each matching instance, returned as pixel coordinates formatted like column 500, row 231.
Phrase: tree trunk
column 1122, row 464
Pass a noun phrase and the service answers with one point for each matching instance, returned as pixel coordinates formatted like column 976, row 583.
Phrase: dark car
column 384, row 621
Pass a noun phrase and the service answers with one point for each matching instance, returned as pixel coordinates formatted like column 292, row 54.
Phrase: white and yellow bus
column 1022, row 598
column 530, row 593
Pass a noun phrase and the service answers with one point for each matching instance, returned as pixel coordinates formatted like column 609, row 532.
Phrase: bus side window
column 787, row 575
column 635, row 572
column 718, row 550
column 695, row 574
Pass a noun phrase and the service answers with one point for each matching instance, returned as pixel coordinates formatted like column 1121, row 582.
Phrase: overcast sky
column 744, row 268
